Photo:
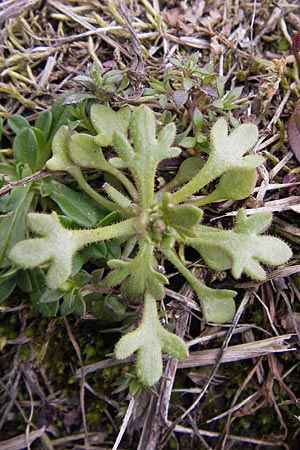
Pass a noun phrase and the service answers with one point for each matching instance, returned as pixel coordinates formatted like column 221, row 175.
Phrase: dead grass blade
column 20, row 442
column 237, row 352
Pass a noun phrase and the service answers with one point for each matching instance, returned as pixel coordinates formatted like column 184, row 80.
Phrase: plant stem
column 204, row 177
column 121, row 229
column 198, row 287
column 124, row 180
column 83, row 184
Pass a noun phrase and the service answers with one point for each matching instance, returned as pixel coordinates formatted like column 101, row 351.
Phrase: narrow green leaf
column 43, row 148
column 50, row 296
column 25, row 148
column 76, row 205
column 37, row 285
column 12, row 228
column 7, row 286
column 17, row 123
column 44, row 123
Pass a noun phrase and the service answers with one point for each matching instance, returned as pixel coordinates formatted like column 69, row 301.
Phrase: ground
column 60, row 387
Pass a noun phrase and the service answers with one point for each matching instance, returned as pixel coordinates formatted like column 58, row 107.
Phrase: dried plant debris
column 126, row 271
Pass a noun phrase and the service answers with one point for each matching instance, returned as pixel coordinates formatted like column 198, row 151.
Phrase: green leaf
column 85, row 152
column 12, row 228
column 25, row 148
column 218, row 305
column 138, row 275
column 78, row 97
column 67, row 306
column 37, row 282
column 60, row 159
column 149, row 340
column 44, row 123
column 58, row 245
column 233, row 185
column 51, row 296
column 183, row 218
column 226, row 153
column 43, row 148
column 106, row 122
column 17, row 123
column 147, row 151
column 79, row 304
column 243, row 248
column 61, row 115
column 188, row 169
column 188, row 142
column 97, row 251
column 83, row 210
column 111, row 308
column 7, row 286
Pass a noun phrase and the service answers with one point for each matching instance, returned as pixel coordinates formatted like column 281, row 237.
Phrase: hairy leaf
column 147, row 152
column 183, row 218
column 226, row 153
column 149, row 340
column 107, row 121
column 243, row 248
column 233, row 185
column 85, row 152
column 57, row 246
column 60, row 159
column 138, row 275
column 218, row 305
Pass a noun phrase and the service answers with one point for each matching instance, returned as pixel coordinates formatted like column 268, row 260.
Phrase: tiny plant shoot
column 152, row 224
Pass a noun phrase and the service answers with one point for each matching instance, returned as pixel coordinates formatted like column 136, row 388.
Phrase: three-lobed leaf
column 138, row 275
column 226, row 153
column 149, row 340
column 106, row 122
column 147, row 152
column 243, row 248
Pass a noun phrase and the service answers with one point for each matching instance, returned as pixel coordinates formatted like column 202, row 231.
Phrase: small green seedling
column 152, row 223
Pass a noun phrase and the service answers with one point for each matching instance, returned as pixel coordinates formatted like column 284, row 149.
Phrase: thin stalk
column 124, row 180
column 121, row 229
column 198, row 287
column 204, row 177
column 84, row 185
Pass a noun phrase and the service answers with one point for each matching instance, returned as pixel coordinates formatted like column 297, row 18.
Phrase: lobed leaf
column 143, row 158
column 138, row 275
column 226, row 153
column 243, row 248
column 234, row 184
column 218, row 305
column 56, row 246
column 149, row 340
column 106, row 122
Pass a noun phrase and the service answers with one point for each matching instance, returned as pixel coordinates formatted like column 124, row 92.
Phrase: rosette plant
column 152, row 223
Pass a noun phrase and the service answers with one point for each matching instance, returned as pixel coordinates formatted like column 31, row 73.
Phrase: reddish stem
column 295, row 48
